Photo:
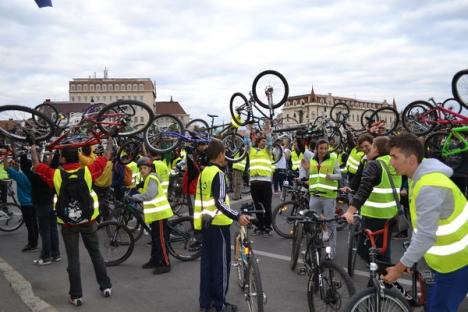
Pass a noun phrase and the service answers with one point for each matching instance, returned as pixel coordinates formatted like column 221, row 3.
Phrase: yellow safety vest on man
column 240, row 165
column 354, row 160
column 296, row 159
column 157, row 208
column 450, row 250
column 135, row 173
column 205, row 202
column 381, row 203
column 163, row 173
column 260, row 163
column 89, row 183
column 318, row 181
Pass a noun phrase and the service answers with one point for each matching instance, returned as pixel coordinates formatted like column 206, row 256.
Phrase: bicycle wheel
column 235, row 147
column 298, row 235
column 460, row 87
column 255, row 297
column 129, row 151
column 270, row 88
column 284, row 123
column 164, row 134
column 240, row 109
column 92, row 111
column 128, row 117
column 419, row 118
column 434, row 145
column 353, row 238
column 239, row 262
column 338, row 111
column 389, row 116
column 332, row 292
column 181, row 239
column 280, row 222
column 21, row 122
column 11, row 217
column 49, row 111
column 198, row 126
column 366, row 118
column 334, row 137
column 134, row 225
column 390, row 301
column 452, row 105
column 116, row 242
column 276, row 152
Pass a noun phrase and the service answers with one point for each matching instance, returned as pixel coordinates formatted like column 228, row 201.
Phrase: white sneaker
column 325, row 235
column 107, row 292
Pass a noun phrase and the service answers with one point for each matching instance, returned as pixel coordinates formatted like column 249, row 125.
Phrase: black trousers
column 102, row 195
column 215, row 266
column 49, row 235
column 71, row 237
column 30, row 220
column 261, row 193
column 159, row 238
column 278, row 178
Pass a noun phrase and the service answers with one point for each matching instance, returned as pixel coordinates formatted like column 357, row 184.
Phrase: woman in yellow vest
column 212, row 201
column 156, row 211
column 439, row 216
column 324, row 174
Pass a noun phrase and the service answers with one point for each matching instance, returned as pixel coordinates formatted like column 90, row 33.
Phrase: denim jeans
column 49, row 235
column 71, row 235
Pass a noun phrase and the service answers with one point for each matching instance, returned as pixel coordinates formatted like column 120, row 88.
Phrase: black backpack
column 74, row 202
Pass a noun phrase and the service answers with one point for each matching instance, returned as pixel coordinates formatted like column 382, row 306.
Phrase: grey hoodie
column 432, row 204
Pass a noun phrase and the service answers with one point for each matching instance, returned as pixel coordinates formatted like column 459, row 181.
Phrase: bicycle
column 264, row 86
column 11, row 217
column 449, row 147
column 118, row 240
column 421, row 117
column 460, row 87
column 246, row 262
column 328, row 283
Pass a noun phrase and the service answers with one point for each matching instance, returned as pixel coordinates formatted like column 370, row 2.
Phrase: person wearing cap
column 156, row 210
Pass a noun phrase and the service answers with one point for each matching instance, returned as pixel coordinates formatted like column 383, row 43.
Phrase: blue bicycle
column 166, row 133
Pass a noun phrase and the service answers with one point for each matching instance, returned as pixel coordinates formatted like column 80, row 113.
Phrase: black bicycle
column 11, row 217
column 118, row 240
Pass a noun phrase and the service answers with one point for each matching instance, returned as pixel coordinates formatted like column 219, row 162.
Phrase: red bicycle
column 421, row 117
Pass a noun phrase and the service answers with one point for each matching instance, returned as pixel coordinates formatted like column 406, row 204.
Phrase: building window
column 78, row 87
column 135, row 87
column 104, row 87
column 141, row 97
column 129, row 87
column 98, row 98
column 140, row 86
column 98, row 87
column 91, row 87
column 135, row 97
column 122, row 87
column 136, row 119
column 85, row 98
column 103, row 97
column 110, row 97
column 110, row 87
column 117, row 87
column 85, row 87
column 79, row 98
column 287, row 115
column 72, row 87
column 142, row 119
column 72, row 98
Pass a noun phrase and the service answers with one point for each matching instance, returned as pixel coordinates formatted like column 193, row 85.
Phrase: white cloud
column 201, row 52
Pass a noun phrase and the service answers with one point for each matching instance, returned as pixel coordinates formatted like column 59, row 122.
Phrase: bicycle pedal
column 301, row 271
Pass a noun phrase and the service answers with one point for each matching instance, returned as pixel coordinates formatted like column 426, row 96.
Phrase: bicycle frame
column 95, row 138
column 455, row 132
column 441, row 116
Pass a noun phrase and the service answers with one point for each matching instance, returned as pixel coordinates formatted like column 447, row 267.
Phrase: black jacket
column 371, row 176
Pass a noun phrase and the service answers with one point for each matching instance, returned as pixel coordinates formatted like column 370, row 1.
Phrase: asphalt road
column 135, row 289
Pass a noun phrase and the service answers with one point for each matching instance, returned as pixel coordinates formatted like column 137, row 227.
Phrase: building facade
column 172, row 108
column 307, row 107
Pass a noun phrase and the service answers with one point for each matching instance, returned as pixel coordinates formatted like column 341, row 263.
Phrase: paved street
column 135, row 289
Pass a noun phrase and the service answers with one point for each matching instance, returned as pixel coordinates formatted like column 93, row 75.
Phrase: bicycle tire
column 240, row 266
column 49, row 111
column 134, row 225
column 460, row 87
column 298, row 235
column 7, row 210
column 129, row 151
column 107, row 233
column 235, row 148
column 452, row 105
column 282, row 210
column 411, row 121
column 180, row 234
column 434, row 144
column 256, row 297
column 241, row 113
column 366, row 117
column 91, row 112
column 338, row 107
column 329, row 279
column 180, row 208
column 393, row 113
column 198, row 126
column 276, row 152
column 352, row 248
column 282, row 124
column 364, row 301
column 335, row 138
column 124, row 111
column 284, row 83
column 159, row 132
column 41, row 133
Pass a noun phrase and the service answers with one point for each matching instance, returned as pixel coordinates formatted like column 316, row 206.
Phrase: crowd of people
column 384, row 178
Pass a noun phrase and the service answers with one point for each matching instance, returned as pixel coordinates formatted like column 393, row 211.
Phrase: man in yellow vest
column 324, row 174
column 439, row 216
column 156, row 210
column 212, row 202
column 374, row 198
column 69, row 160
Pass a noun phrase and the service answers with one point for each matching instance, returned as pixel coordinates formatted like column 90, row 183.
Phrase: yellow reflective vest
column 260, row 163
column 318, row 181
column 158, row 208
column 450, row 250
column 296, row 159
column 163, row 173
column 354, row 159
column 205, row 202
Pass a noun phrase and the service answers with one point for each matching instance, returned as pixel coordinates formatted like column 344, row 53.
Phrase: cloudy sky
column 201, row 51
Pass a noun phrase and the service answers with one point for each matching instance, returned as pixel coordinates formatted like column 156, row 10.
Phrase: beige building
column 108, row 90
column 172, row 108
column 307, row 107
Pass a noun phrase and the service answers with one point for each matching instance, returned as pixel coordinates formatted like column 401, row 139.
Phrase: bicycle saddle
column 212, row 116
